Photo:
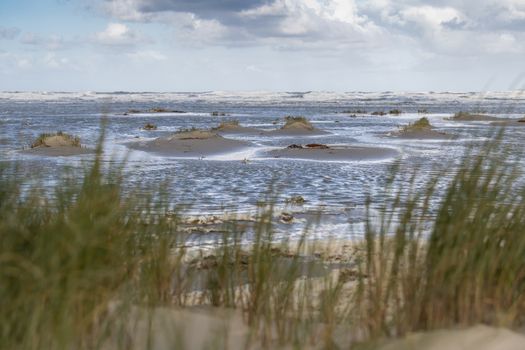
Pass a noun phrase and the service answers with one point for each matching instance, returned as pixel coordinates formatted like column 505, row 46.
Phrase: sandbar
column 335, row 153
column 195, row 143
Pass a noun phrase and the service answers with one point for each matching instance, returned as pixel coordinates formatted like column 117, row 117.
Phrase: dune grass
column 227, row 124
column 149, row 126
column 395, row 112
column 75, row 264
column 466, row 268
column 461, row 115
column 418, row 125
column 297, row 121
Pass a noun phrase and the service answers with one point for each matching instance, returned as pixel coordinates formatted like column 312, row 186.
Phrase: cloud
column 12, row 62
column 147, row 56
column 8, row 33
column 51, row 42
column 281, row 24
column 206, row 9
column 118, row 35
column 368, row 34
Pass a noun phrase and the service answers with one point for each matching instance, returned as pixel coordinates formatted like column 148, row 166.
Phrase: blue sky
column 196, row 45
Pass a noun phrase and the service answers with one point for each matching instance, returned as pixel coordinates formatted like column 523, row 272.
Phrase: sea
column 239, row 182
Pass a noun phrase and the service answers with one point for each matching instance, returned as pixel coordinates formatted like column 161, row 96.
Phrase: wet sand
column 197, row 143
column 335, row 153
column 296, row 132
column 429, row 134
column 510, row 123
column 60, row 151
column 474, row 118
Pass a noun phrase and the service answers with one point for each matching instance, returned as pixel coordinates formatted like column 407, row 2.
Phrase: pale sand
column 197, row 327
column 476, row 338
column 335, row 153
column 203, row 327
column 196, row 143
column 191, row 328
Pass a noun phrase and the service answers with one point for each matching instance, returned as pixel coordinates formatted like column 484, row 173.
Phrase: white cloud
column 10, row 61
column 52, row 60
column 430, row 17
column 148, row 55
column 510, row 10
column 359, row 35
column 125, row 10
column 119, row 35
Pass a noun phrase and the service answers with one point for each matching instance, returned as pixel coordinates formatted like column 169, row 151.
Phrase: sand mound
column 296, row 126
column 192, row 144
column 59, row 144
column 228, row 125
column 421, row 129
column 59, row 139
column 194, row 135
column 472, row 117
column 333, row 153
column 234, row 127
column 297, row 123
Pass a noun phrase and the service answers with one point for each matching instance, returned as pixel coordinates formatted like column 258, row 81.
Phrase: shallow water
column 226, row 183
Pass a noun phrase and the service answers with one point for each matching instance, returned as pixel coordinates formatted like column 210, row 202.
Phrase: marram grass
column 77, row 265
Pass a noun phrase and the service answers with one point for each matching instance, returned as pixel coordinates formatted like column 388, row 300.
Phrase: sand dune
column 420, row 130
column 233, row 128
column 57, row 145
column 296, row 126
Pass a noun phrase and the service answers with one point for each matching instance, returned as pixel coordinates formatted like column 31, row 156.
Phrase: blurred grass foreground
column 90, row 267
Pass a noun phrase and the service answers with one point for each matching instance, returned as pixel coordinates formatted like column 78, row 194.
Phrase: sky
column 276, row 45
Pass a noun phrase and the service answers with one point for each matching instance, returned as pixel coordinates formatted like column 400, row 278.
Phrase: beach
column 267, row 221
